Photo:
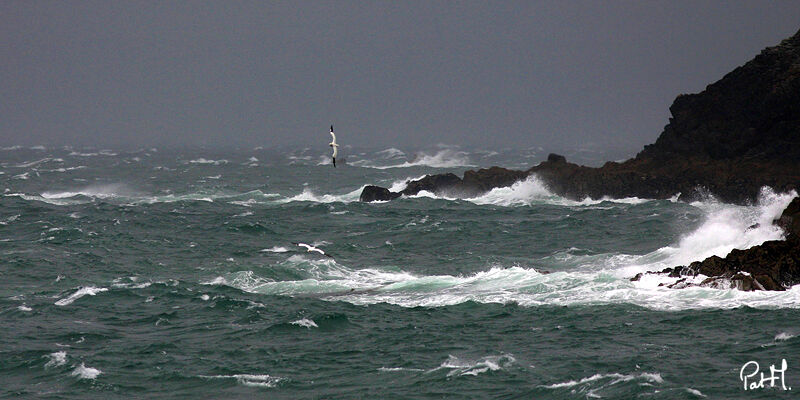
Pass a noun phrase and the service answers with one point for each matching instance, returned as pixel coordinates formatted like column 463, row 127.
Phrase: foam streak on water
column 174, row 273
column 602, row 280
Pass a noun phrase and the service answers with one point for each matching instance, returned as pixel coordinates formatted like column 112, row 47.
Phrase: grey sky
column 553, row 74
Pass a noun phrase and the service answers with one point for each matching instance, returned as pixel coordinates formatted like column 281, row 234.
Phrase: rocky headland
column 738, row 135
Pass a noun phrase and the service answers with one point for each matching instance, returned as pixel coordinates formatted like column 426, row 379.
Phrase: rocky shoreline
column 772, row 265
column 738, row 135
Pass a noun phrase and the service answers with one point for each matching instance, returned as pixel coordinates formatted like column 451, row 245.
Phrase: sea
column 179, row 274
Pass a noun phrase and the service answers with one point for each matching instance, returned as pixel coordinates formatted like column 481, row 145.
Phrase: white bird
column 310, row 248
column 334, row 146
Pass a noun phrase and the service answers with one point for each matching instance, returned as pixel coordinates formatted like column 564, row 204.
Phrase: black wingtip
column 334, row 162
column 331, row 128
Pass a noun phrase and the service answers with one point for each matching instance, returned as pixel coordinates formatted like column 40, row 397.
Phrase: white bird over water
column 334, row 146
column 310, row 248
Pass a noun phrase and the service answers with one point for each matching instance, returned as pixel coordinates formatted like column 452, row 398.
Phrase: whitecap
column 95, row 191
column 397, row 369
column 24, row 308
column 305, row 322
column 446, row 158
column 205, row 161
column 32, row 163
column 461, row 367
column 783, row 336
column 275, row 249
column 310, row 196
column 594, row 279
column 56, row 359
column 614, row 378
column 264, row 381
column 83, row 291
column 695, row 392
column 84, row 372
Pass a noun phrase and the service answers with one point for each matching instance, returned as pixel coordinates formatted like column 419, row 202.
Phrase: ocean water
column 176, row 274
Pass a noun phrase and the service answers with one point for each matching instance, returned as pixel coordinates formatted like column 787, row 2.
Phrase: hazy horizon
column 407, row 75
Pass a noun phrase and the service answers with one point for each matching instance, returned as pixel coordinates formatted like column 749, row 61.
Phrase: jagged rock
column 773, row 265
column 738, row 135
column 789, row 220
column 432, row 183
column 377, row 193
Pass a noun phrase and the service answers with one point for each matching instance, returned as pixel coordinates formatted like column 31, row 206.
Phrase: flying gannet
column 310, row 248
column 334, row 146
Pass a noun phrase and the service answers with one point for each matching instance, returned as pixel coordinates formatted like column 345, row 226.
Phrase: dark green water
column 163, row 274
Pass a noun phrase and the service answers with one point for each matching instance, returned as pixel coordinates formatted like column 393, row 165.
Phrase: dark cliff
column 740, row 134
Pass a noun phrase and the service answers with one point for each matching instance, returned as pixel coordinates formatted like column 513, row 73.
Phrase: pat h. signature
column 751, row 379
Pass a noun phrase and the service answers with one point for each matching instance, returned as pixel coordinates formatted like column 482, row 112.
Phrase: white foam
column 83, row 291
column 276, row 249
column 84, row 372
column 729, row 227
column 588, row 279
column 520, row 193
column 32, row 163
column 446, row 158
column 695, row 392
column 309, row 195
column 397, row 369
column 264, row 381
column 305, row 322
column 399, row 185
column 96, row 191
column 461, row 367
column 391, row 153
column 783, row 336
column 614, row 378
column 205, row 161
column 56, row 359
column 10, row 219
column 24, row 308
column 528, row 191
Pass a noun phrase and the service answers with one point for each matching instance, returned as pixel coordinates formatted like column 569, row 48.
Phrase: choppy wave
column 446, row 158
column 264, row 381
column 84, row 291
column 594, row 279
column 306, row 323
column 309, row 195
column 461, row 367
column 84, row 372
column 124, row 194
column 56, row 359
column 96, row 191
column 524, row 193
column 206, row 161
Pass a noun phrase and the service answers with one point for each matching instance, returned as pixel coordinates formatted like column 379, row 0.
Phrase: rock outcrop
column 773, row 265
column 738, row 135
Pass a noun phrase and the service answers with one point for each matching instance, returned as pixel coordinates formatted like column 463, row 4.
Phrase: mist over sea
column 168, row 274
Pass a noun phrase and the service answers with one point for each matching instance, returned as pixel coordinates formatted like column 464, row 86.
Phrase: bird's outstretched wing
column 309, row 248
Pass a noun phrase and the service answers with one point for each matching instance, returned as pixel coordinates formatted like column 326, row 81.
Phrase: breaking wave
column 523, row 193
column 591, row 280
column 446, row 158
